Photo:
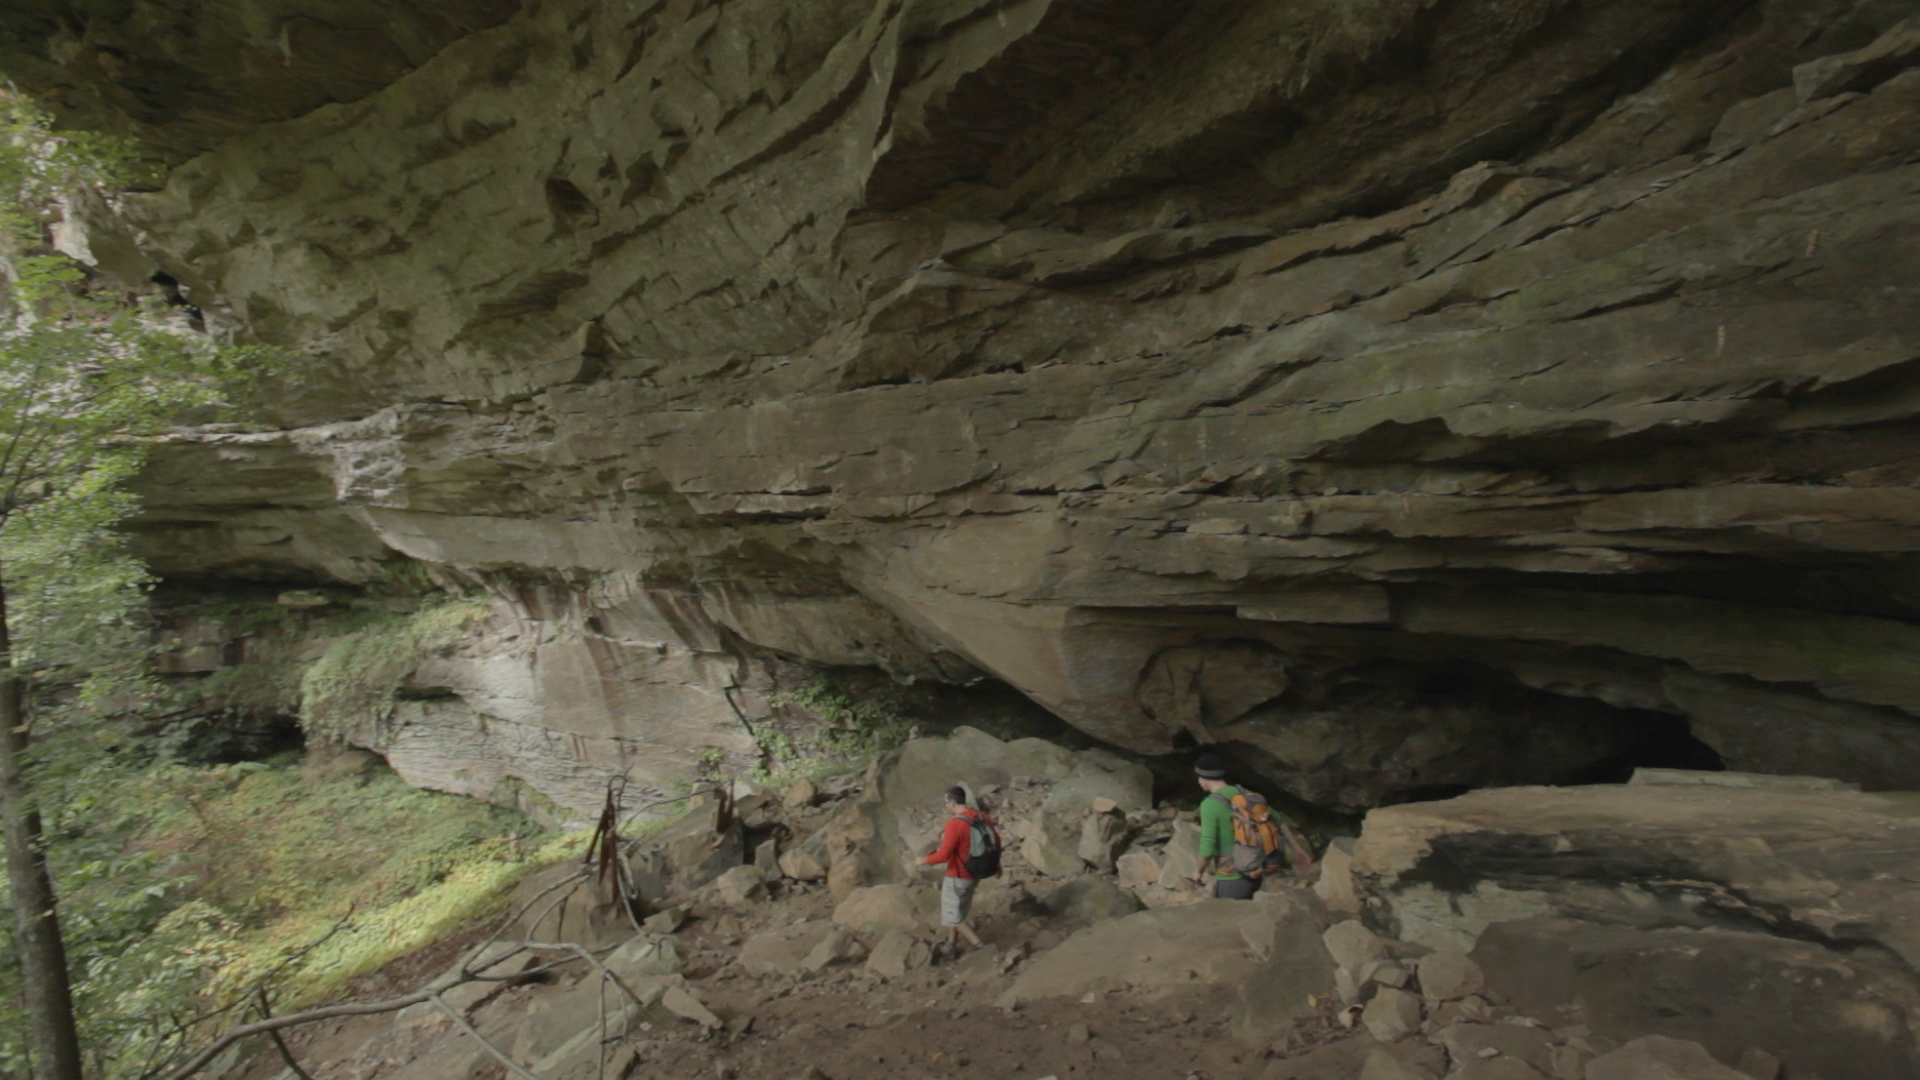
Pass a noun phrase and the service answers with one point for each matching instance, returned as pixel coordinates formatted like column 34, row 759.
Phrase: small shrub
column 852, row 728
column 353, row 686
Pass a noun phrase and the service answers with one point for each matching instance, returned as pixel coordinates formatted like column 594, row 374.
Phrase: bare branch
column 491, row 1049
column 286, row 1053
column 352, row 1008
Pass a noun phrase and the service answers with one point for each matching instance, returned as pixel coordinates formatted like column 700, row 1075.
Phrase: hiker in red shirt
column 966, row 861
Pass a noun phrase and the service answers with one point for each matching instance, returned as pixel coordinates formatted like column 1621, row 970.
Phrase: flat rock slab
column 1657, row 1057
column 1820, row 1010
column 1151, row 953
column 1831, row 863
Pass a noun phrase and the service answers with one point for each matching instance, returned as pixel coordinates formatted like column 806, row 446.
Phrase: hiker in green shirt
column 1216, row 833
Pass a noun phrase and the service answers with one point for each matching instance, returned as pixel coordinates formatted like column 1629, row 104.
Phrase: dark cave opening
column 1667, row 742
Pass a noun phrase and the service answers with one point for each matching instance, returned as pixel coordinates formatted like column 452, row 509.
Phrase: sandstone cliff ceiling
column 1411, row 393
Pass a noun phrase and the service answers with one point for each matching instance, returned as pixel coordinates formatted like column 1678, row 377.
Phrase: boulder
column 1387, row 973
column 858, row 850
column 1445, row 871
column 802, row 865
column 738, row 887
column 1099, row 776
column 1090, row 898
column 807, row 861
column 924, row 768
column 897, row 953
column 1283, row 931
column 1824, row 1011
column 784, row 951
column 1137, row 870
column 1335, row 883
column 1181, row 860
column 881, row 909
column 1351, row 988
column 1468, row 1043
column 666, row 920
column 1392, row 1014
column 766, row 856
column 1050, row 845
column 682, row 1003
column 1004, row 896
column 1449, row 975
column 560, row 1030
column 1352, row 945
column 838, row 947
column 754, row 809
column 1152, row 953
column 588, row 912
column 799, row 795
column 1657, row 1057
column 498, row 961
column 1102, row 836
column 690, row 853
column 644, row 956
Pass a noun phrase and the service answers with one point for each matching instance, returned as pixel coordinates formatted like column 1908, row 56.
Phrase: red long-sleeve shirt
column 956, row 842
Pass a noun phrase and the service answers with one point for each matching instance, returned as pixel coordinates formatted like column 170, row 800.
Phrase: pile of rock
column 1062, row 815
column 1687, row 926
column 1430, row 1015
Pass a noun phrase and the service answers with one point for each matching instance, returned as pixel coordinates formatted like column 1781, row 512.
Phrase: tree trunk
column 43, row 957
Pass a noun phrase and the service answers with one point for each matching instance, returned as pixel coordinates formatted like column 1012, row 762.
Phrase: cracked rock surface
column 1414, row 395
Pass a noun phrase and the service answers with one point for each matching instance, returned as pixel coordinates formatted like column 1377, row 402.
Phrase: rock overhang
column 1173, row 378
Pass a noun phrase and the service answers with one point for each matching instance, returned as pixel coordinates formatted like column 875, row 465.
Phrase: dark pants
column 1235, row 888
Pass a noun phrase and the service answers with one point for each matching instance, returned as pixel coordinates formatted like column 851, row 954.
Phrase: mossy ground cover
column 285, row 852
column 183, row 885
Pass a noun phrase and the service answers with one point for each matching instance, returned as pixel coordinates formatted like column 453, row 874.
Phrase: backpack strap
column 1227, row 800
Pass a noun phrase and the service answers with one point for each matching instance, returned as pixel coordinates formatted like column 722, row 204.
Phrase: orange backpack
column 1256, row 834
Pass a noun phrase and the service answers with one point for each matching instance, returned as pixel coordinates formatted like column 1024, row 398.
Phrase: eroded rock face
column 1733, row 911
column 1207, row 372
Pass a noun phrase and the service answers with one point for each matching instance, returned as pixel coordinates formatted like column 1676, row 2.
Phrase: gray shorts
column 956, row 899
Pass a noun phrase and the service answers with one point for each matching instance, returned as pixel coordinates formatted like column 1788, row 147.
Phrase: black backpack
column 983, row 848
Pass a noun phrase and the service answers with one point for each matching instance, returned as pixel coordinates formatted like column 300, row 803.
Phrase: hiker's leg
column 953, row 909
column 966, row 931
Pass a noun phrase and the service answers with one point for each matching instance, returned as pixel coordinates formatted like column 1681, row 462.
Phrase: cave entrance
column 1667, row 742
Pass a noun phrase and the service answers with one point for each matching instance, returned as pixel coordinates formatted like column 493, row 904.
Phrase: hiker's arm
column 1212, row 817
column 949, row 843
column 1301, row 849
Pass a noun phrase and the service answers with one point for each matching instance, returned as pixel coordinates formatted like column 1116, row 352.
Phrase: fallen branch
column 280, row 1044
column 261, row 1027
column 498, row 1055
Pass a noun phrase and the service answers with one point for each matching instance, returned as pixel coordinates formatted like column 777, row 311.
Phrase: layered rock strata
column 1733, row 910
column 1412, row 394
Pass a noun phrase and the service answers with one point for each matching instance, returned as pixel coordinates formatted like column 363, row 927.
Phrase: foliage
column 87, row 378
column 75, row 598
column 354, row 685
column 853, row 727
column 182, row 885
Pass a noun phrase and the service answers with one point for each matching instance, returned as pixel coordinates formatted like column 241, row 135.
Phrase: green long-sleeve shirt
column 1216, row 830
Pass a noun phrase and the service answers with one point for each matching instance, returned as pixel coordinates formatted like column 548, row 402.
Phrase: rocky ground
column 1691, row 926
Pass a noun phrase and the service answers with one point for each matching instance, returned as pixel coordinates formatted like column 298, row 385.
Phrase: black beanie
column 1208, row 766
